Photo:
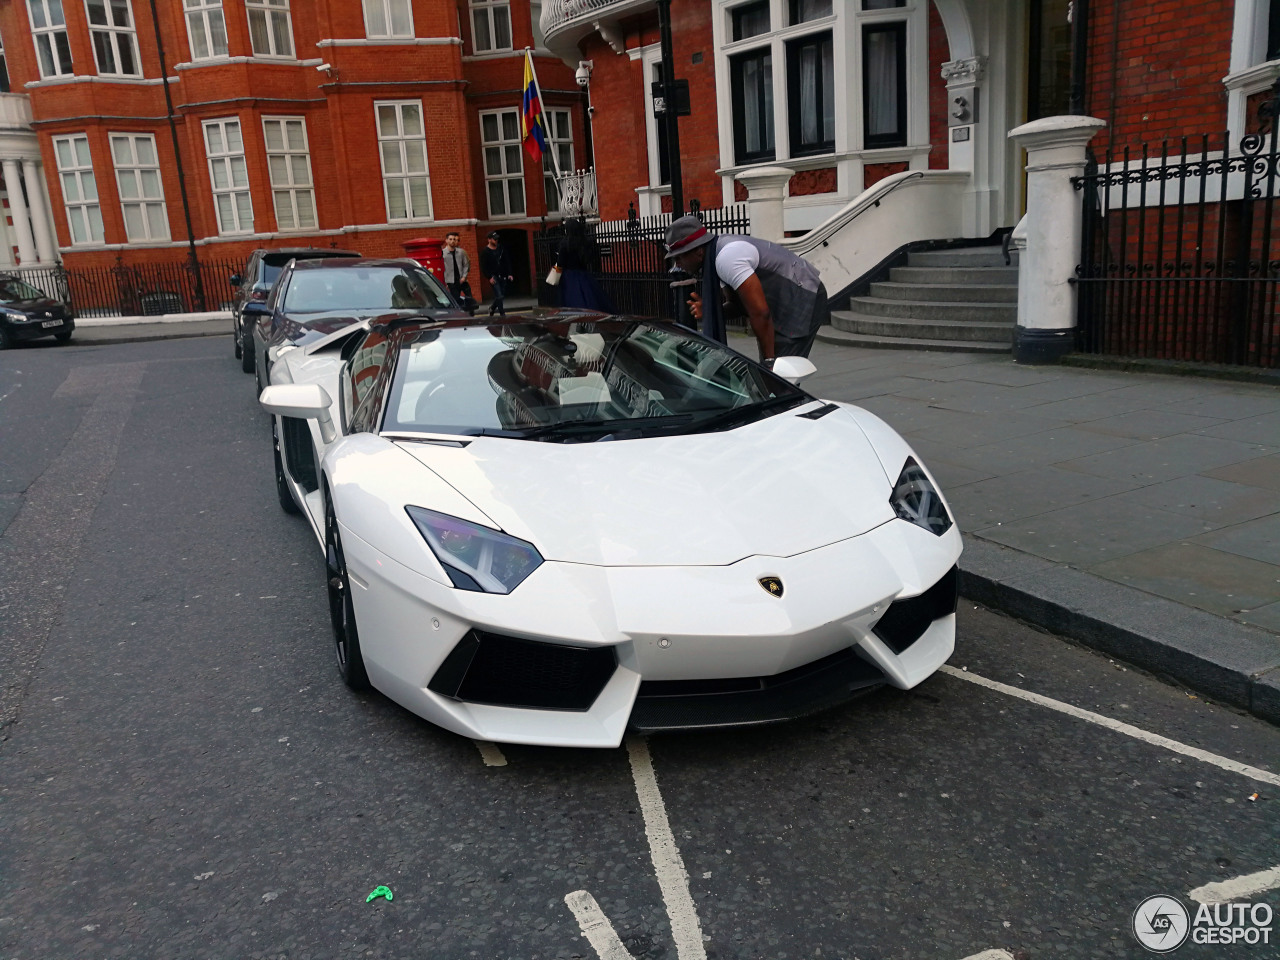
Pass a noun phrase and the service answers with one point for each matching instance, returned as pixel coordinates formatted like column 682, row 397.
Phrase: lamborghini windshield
column 565, row 382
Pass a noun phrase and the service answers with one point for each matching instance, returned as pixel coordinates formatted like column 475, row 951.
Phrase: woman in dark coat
column 576, row 259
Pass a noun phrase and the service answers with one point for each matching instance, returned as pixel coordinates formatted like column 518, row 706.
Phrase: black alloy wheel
column 342, row 612
column 287, row 503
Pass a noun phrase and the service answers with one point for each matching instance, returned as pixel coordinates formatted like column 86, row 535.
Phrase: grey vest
column 791, row 288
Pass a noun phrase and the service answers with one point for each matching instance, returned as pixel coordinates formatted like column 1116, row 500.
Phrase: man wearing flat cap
column 781, row 294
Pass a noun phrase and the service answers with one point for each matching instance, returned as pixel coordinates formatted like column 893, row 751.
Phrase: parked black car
column 26, row 313
column 255, row 283
column 327, row 295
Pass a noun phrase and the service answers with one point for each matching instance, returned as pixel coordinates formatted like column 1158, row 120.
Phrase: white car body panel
column 651, row 546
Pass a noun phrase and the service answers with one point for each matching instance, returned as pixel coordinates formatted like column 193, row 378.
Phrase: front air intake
column 906, row 620
column 514, row 672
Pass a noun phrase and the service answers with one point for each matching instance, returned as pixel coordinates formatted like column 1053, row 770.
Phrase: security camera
column 324, row 67
column 583, row 73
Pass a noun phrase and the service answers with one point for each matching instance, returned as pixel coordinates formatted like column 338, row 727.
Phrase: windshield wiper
column 737, row 416
column 572, row 428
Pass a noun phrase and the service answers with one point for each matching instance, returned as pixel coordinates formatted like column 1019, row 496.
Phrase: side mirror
column 235, row 280
column 794, row 369
column 307, row 401
column 255, row 308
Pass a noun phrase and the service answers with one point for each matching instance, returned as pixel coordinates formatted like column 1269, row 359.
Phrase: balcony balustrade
column 565, row 22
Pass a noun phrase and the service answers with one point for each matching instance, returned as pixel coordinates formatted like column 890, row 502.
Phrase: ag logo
column 773, row 585
column 1161, row 924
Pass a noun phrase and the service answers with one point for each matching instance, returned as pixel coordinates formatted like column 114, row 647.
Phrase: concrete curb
column 1230, row 662
column 162, row 318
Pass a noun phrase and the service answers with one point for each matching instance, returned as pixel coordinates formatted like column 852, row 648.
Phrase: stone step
column 960, row 257
column 974, row 312
column 947, row 292
column 920, row 329
column 984, row 275
column 837, row 336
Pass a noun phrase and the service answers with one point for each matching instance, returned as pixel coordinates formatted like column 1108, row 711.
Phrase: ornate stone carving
column 961, row 73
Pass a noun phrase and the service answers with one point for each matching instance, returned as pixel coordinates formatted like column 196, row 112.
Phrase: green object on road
column 378, row 891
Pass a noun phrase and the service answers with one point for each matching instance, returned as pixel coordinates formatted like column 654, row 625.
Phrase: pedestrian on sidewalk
column 577, row 260
column 496, row 266
column 457, row 265
column 782, row 295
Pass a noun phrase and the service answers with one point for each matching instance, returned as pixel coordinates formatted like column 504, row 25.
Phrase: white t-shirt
column 735, row 261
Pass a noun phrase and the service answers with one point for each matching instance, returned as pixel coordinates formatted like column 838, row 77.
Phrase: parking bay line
column 1225, row 763
column 673, row 880
column 596, row 927
column 1237, row 888
column 490, row 754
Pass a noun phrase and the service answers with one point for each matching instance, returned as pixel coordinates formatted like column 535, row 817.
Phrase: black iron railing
column 630, row 259
column 1178, row 260
column 127, row 290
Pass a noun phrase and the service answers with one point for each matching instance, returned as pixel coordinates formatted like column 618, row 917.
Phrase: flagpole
column 555, row 154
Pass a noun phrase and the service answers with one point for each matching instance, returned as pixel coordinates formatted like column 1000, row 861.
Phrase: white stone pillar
column 41, row 221
column 766, row 189
column 18, row 208
column 1054, row 224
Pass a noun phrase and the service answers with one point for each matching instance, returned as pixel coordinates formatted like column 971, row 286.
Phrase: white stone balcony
column 15, row 111
column 565, row 22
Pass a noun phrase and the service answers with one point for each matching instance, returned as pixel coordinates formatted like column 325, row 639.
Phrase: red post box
column 429, row 253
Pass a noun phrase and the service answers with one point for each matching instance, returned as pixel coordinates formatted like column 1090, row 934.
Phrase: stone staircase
column 964, row 300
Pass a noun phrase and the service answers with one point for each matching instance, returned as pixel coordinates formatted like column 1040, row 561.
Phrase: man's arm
column 751, row 294
column 464, row 265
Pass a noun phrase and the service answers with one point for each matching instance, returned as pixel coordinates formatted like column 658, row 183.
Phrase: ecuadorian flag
column 533, row 126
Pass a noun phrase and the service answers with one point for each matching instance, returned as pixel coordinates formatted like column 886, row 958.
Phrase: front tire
column 64, row 337
column 6, row 339
column 283, row 492
column 342, row 613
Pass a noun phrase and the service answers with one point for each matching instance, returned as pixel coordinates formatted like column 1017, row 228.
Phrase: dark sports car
column 326, row 295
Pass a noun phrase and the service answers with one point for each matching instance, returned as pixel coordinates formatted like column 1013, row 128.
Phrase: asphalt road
column 183, row 774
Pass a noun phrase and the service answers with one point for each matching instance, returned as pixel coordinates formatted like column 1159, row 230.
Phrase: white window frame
column 557, row 121
column 845, row 23
column 385, row 10
column 289, row 168
column 270, row 12
column 201, row 16
column 488, row 11
column 79, row 189
column 1250, row 72
column 501, row 148
column 235, row 177
column 119, row 39
column 140, row 187
column 54, row 59
column 397, row 182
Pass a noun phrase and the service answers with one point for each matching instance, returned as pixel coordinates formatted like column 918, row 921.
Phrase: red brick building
column 845, row 92
column 296, row 122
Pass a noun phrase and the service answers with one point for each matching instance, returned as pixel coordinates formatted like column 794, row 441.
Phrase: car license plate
column 51, row 323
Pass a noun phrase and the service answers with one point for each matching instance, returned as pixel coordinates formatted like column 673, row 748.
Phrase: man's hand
column 695, row 305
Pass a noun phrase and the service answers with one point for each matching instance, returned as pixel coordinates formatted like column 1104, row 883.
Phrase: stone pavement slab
column 1135, row 512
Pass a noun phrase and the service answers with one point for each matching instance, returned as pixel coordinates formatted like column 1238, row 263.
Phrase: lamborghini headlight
column 914, row 498
column 476, row 557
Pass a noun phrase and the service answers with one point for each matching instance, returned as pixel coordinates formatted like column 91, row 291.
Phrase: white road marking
column 596, row 926
column 490, row 753
column 667, row 864
column 1237, row 888
column 1234, row 766
column 991, row 955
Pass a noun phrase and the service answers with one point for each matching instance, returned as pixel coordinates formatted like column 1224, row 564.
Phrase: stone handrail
column 900, row 209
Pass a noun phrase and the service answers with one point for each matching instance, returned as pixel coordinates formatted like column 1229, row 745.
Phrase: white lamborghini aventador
column 552, row 531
